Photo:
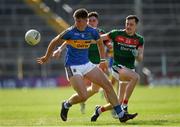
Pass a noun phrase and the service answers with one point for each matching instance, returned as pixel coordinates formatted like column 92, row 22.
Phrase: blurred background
column 159, row 24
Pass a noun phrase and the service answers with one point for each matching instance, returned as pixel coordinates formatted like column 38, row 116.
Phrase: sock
column 119, row 111
column 101, row 109
column 67, row 105
column 125, row 102
column 124, row 106
column 121, row 102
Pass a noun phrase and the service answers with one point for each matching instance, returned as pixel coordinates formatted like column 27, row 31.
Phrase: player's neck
column 81, row 28
column 130, row 34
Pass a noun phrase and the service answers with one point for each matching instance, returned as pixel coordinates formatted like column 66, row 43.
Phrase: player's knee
column 136, row 77
column 106, row 85
column 95, row 91
column 84, row 97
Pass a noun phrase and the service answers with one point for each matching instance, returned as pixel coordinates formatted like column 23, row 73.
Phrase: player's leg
column 91, row 90
column 83, row 104
column 127, row 77
column 101, row 79
column 107, row 107
column 82, row 107
column 121, row 95
column 78, row 85
column 130, row 79
column 98, row 77
column 76, row 80
column 121, row 91
column 121, row 87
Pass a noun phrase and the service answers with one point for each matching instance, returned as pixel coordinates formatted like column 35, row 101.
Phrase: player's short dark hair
column 81, row 13
column 133, row 17
column 93, row 13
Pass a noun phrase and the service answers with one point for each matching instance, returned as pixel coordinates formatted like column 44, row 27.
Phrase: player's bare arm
column 105, row 37
column 106, row 40
column 54, row 42
column 103, row 63
column 101, row 48
column 140, row 56
column 57, row 52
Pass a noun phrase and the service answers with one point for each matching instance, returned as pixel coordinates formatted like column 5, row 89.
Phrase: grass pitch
column 157, row 107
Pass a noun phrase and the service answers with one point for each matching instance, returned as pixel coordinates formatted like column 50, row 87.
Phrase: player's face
column 81, row 23
column 93, row 21
column 130, row 26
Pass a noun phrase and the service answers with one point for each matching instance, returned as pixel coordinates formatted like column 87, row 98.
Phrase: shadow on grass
column 137, row 122
column 150, row 122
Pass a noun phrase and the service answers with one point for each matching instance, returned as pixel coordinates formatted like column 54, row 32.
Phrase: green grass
column 157, row 107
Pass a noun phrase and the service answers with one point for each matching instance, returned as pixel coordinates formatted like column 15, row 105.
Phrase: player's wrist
column 103, row 60
column 59, row 49
column 135, row 52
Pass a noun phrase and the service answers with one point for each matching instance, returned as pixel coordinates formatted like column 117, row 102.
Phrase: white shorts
column 79, row 69
column 115, row 72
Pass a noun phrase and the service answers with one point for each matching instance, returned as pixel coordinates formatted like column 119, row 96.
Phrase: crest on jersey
column 82, row 35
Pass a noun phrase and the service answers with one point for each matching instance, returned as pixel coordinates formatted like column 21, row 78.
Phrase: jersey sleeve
column 106, row 42
column 65, row 35
column 112, row 34
column 101, row 31
column 141, row 40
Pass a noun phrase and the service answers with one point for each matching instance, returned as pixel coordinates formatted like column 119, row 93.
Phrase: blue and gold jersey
column 78, row 43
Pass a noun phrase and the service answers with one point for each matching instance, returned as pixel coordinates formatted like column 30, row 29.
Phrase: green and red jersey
column 123, row 45
column 94, row 56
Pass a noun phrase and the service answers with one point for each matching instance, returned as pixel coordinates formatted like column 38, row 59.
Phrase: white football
column 32, row 37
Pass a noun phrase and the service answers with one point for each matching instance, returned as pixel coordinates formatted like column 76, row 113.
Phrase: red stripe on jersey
column 129, row 41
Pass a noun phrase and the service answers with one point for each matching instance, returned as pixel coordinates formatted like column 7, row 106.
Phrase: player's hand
column 56, row 54
column 109, row 45
column 104, row 66
column 135, row 52
column 42, row 60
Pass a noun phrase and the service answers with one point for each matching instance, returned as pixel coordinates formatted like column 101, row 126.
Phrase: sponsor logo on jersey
column 80, row 44
column 128, row 41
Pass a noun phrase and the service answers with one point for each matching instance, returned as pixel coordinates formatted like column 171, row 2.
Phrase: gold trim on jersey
column 80, row 44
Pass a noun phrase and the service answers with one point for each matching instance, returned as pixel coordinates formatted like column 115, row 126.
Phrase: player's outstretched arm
column 57, row 52
column 54, row 42
column 105, row 37
column 106, row 40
